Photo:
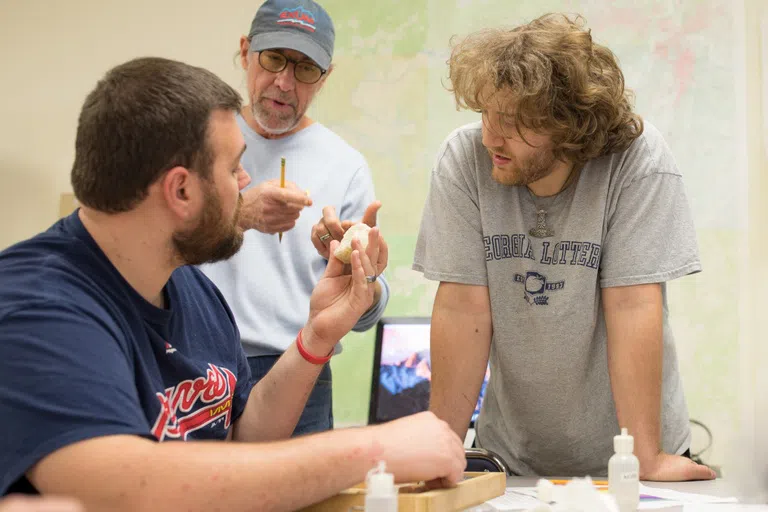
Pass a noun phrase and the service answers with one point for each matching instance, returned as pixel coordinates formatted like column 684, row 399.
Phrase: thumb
column 369, row 217
column 335, row 266
column 700, row 472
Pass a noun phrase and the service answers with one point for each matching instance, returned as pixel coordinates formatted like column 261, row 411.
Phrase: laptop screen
column 402, row 370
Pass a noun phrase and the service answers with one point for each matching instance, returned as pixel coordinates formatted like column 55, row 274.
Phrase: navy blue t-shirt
column 83, row 355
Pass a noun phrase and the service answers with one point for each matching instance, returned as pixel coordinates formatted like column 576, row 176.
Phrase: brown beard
column 538, row 166
column 213, row 239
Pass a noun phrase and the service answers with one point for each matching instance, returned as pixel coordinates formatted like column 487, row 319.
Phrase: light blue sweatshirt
column 268, row 284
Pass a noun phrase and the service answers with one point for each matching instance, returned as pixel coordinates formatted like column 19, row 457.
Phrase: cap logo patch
column 298, row 17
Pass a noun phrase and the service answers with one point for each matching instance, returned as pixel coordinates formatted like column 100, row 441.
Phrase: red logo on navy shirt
column 214, row 391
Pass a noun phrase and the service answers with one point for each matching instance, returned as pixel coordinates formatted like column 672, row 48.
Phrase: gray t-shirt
column 625, row 221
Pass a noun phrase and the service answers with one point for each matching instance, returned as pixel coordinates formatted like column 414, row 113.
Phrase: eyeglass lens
column 304, row 71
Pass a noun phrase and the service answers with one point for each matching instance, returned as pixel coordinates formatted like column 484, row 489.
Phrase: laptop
column 402, row 370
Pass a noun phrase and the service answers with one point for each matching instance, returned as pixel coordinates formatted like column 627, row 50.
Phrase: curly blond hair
column 556, row 80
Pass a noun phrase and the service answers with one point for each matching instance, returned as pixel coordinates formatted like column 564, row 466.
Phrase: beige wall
column 52, row 54
column 754, row 283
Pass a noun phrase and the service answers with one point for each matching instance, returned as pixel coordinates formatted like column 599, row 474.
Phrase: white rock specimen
column 357, row 231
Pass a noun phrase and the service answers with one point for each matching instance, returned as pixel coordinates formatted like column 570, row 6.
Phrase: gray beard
column 272, row 131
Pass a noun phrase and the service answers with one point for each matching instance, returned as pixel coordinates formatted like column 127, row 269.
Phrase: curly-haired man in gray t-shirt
column 553, row 226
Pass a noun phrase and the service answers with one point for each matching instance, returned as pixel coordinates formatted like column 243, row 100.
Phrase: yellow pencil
column 282, row 185
column 598, row 483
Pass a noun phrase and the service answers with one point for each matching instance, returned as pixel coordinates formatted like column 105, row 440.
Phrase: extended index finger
column 369, row 217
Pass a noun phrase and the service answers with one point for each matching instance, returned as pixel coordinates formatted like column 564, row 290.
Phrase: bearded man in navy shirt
column 112, row 342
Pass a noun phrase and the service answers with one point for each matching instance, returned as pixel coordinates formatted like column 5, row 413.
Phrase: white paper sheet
column 687, row 498
column 524, row 498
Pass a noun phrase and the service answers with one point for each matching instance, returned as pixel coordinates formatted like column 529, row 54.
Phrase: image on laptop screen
column 402, row 370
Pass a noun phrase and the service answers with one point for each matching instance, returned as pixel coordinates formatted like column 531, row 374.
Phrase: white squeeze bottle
column 380, row 490
column 624, row 473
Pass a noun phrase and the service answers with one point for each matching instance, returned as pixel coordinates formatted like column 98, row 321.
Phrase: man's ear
column 326, row 75
column 330, row 70
column 180, row 190
column 245, row 46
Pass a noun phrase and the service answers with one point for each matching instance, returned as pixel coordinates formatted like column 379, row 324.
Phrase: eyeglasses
column 305, row 71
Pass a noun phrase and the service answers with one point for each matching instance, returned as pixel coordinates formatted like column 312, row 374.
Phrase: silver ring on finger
column 325, row 237
column 371, row 279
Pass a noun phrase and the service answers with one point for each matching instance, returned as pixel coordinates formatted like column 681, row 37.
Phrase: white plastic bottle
column 380, row 490
column 624, row 473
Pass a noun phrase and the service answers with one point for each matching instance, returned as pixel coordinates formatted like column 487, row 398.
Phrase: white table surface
column 720, row 487
column 717, row 487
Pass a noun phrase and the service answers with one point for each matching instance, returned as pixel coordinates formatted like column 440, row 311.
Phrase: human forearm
column 461, row 333
column 633, row 318
column 128, row 473
column 276, row 401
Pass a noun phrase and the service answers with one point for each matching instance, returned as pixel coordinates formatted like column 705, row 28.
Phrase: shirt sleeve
column 64, row 378
column 450, row 246
column 650, row 234
column 360, row 194
column 370, row 317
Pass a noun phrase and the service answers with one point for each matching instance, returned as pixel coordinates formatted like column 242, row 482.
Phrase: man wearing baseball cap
column 287, row 59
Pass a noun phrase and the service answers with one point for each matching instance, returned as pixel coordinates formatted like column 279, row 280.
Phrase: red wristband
column 309, row 357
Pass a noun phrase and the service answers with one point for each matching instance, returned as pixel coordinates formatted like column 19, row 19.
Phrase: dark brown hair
column 144, row 117
column 558, row 81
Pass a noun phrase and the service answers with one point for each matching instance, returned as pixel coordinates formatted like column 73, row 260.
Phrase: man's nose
column 243, row 178
column 491, row 139
column 285, row 79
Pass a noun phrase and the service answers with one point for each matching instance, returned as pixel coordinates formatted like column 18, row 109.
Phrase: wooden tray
column 475, row 489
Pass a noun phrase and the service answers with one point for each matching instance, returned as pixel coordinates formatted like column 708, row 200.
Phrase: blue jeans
column 318, row 413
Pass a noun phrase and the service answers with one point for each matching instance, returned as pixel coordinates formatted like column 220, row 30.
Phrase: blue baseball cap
column 301, row 25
